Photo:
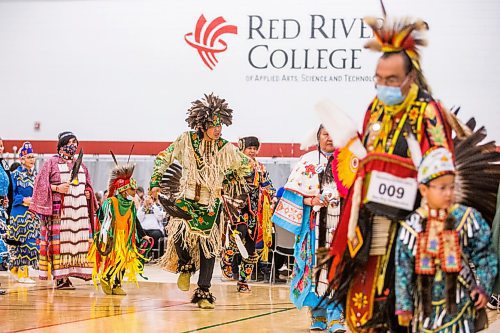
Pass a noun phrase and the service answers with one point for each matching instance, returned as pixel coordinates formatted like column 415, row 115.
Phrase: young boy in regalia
column 438, row 244
column 119, row 241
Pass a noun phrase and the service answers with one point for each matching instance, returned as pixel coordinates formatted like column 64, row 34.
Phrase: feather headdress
column 403, row 35
column 121, row 179
column 349, row 149
column 399, row 35
column 209, row 111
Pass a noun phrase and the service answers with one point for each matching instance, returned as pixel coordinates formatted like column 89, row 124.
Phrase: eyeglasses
column 443, row 188
column 391, row 81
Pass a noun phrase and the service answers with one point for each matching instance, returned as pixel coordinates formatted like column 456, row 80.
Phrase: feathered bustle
column 478, row 172
column 170, row 187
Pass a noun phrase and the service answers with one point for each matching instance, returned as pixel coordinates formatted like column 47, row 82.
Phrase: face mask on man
column 129, row 197
column 390, row 95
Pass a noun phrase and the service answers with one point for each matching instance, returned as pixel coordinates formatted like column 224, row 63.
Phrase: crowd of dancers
column 393, row 224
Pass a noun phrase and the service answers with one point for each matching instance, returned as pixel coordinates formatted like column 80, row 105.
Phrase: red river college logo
column 206, row 38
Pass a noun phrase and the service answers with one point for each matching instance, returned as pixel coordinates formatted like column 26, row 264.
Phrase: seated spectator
column 151, row 216
column 98, row 197
column 139, row 197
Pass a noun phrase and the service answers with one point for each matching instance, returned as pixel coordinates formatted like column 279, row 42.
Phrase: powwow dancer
column 399, row 128
column 119, row 241
column 64, row 200
column 310, row 209
column 436, row 246
column 4, row 206
column 206, row 166
column 253, row 224
column 23, row 230
column 402, row 118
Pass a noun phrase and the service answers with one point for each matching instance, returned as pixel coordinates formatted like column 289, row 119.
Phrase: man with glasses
column 436, row 291
column 403, row 119
column 403, row 105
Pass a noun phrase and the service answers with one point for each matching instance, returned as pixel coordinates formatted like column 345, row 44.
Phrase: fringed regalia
column 435, row 252
column 314, row 231
column 362, row 272
column 384, row 136
column 253, row 223
column 117, row 252
column 193, row 175
column 495, row 239
column 65, row 233
column 4, row 189
column 206, row 165
column 24, row 227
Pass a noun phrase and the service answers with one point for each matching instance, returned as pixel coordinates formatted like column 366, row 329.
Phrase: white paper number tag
column 393, row 191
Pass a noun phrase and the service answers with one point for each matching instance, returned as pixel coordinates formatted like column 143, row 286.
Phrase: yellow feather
column 400, row 36
column 373, row 45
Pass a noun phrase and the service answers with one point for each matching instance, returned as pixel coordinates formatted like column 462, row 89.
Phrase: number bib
column 393, row 191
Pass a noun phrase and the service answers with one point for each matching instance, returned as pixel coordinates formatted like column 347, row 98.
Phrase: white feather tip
column 338, row 124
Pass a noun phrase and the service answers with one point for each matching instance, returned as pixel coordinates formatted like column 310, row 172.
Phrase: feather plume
column 202, row 111
column 477, row 173
column 119, row 172
column 356, row 202
column 130, row 153
column 397, row 35
column 241, row 246
column 171, row 209
column 310, row 140
column 471, row 123
column 384, row 12
column 169, row 191
column 403, row 35
column 462, row 130
column 114, row 158
column 233, row 205
column 414, row 147
column 170, row 182
column 338, row 124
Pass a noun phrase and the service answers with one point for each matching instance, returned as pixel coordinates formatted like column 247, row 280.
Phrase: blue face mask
column 390, row 95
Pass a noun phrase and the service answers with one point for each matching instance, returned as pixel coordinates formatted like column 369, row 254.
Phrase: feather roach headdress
column 209, row 111
column 399, row 35
column 121, row 179
column 121, row 176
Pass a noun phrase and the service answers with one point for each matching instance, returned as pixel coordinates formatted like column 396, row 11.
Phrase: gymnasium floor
column 153, row 306
column 150, row 307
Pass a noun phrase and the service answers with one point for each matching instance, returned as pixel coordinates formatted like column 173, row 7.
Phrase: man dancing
column 253, row 224
column 210, row 165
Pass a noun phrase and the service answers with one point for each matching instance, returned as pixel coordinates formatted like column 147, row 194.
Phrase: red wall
column 147, row 148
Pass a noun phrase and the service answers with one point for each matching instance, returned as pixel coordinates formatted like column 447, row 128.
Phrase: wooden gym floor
column 151, row 307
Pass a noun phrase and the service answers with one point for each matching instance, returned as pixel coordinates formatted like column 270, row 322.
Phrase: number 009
column 391, row 191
